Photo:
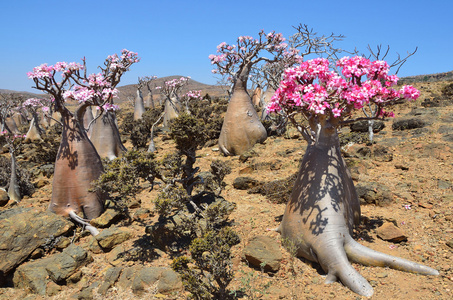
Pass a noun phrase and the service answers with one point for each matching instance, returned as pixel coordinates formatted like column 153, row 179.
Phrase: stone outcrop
column 22, row 231
column 35, row 277
column 263, row 252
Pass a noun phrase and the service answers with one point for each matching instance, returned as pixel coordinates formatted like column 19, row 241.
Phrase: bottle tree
column 139, row 104
column 104, row 133
column 32, row 105
column 241, row 127
column 171, row 91
column 148, row 82
column 8, row 104
column 13, row 142
column 302, row 43
column 324, row 207
column 78, row 163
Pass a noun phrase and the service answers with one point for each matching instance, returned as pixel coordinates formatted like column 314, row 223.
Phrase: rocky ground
column 404, row 180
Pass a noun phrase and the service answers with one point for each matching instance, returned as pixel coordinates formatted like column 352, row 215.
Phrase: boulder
column 374, row 193
column 389, row 232
column 406, row 124
column 22, row 231
column 382, row 154
column 140, row 278
column 62, row 265
column 36, row 277
column 263, row 252
column 3, row 197
column 244, row 183
column 108, row 217
column 362, row 126
column 111, row 276
column 109, row 238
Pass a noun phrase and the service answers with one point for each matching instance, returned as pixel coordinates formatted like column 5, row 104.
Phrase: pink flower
column 318, row 90
column 409, row 92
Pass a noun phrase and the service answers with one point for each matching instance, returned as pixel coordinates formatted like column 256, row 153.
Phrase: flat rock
column 244, row 183
column 109, row 217
column 109, row 238
column 409, row 123
column 3, row 197
column 140, row 278
column 382, row 153
column 111, row 276
column 23, row 231
column 263, row 251
column 374, row 193
column 389, row 232
column 35, row 277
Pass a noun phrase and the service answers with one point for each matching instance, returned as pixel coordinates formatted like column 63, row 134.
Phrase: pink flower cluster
column 122, row 62
column 173, row 86
column 247, row 48
column 177, row 82
column 84, row 94
column 108, row 106
column 32, row 103
column 193, row 95
column 97, row 86
column 314, row 89
column 11, row 137
column 45, row 71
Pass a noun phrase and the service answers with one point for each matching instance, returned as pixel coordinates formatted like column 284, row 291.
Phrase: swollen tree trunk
column 241, row 128
column 19, row 118
column 56, row 118
column 256, row 98
column 34, row 131
column 152, row 146
column 87, row 119
column 11, row 126
column 139, row 107
column 171, row 110
column 76, row 166
column 44, row 120
column 321, row 213
column 149, row 101
column 14, row 190
column 265, row 101
column 105, row 136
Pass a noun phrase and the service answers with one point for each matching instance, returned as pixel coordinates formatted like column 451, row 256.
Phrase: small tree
column 171, row 91
column 32, row 105
column 139, row 105
column 78, row 162
column 105, row 135
column 303, row 43
column 13, row 143
column 324, row 206
column 371, row 110
column 8, row 104
column 148, row 81
column 241, row 126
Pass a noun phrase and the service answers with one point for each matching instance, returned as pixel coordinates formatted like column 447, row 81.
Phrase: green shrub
column 121, row 177
column 139, row 131
column 209, row 272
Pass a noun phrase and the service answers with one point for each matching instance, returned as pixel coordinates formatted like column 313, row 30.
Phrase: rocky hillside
column 403, row 179
column 130, row 90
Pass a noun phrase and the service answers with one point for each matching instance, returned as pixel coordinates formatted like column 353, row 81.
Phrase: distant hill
column 216, row 90
column 25, row 94
column 131, row 89
column 445, row 76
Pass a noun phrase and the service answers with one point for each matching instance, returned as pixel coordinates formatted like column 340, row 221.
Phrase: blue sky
column 176, row 37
